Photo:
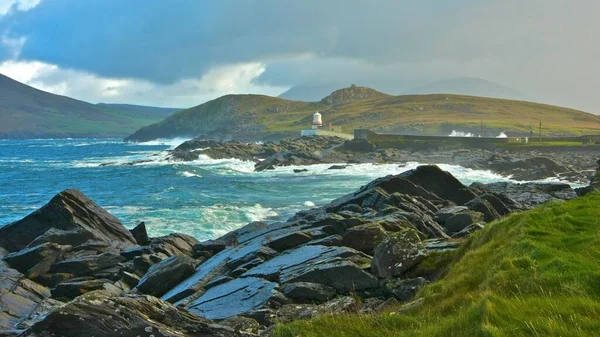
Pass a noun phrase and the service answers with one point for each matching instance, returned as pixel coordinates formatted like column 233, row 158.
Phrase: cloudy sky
column 182, row 53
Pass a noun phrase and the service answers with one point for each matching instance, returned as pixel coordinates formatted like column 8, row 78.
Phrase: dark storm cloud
column 165, row 41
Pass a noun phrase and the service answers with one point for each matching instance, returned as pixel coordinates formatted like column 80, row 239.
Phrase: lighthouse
column 317, row 122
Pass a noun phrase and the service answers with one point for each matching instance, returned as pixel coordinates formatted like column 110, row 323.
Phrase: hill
column 532, row 274
column 257, row 117
column 27, row 112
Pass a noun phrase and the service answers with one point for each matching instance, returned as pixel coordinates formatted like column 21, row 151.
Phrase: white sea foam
column 455, row 133
column 309, row 204
column 172, row 143
column 502, row 135
column 188, row 174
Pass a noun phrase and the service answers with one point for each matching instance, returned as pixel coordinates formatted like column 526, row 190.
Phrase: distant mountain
column 142, row 110
column 258, row 117
column 309, row 93
column 467, row 86
column 26, row 112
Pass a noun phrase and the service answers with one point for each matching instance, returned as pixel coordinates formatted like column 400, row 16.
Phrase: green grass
column 535, row 273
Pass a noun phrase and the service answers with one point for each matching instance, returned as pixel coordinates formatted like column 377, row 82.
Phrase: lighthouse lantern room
column 317, row 122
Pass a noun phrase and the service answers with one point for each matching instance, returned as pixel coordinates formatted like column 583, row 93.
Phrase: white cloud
column 232, row 79
column 20, row 5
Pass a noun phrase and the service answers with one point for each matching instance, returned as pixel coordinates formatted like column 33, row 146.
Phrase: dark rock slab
column 140, row 234
column 73, row 237
column 306, row 292
column 68, row 210
column 22, row 301
column 444, row 214
column 37, row 260
column 364, row 237
column 166, row 274
column 87, row 265
column 530, row 195
column 460, row 221
column 404, row 289
column 100, row 314
column 67, row 291
column 289, row 240
column 337, row 267
column 235, row 298
column 397, row 253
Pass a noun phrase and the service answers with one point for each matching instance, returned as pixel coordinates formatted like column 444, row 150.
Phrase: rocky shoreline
column 72, row 269
column 520, row 164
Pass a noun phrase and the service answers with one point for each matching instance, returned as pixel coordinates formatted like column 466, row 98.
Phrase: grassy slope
column 535, row 273
column 416, row 114
column 28, row 111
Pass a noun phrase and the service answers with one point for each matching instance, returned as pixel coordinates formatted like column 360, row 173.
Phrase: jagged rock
column 68, row 210
column 166, row 274
column 300, row 170
column 336, row 267
column 67, row 291
column 398, row 253
column 364, row 237
column 248, row 294
column 460, row 221
column 99, row 314
column 22, row 301
column 404, row 289
column 337, row 167
column 35, row 261
column 306, row 292
column 140, row 234
column 289, row 240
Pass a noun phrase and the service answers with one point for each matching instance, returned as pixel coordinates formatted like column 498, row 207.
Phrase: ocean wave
column 172, row 143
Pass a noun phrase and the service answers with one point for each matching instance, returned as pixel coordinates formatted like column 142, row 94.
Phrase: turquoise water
column 205, row 198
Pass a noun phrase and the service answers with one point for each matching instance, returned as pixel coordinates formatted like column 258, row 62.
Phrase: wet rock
column 99, row 314
column 306, row 292
column 166, row 274
column 140, row 234
column 67, row 211
column 337, row 167
column 460, row 221
column 300, row 170
column 248, row 294
column 364, row 237
column 397, row 253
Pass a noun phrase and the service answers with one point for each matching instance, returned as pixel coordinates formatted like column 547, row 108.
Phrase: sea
column 205, row 198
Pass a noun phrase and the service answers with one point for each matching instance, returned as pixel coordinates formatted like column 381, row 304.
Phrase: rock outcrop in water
column 520, row 164
column 71, row 269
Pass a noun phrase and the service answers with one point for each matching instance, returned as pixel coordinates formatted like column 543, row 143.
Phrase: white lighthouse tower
column 317, row 122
